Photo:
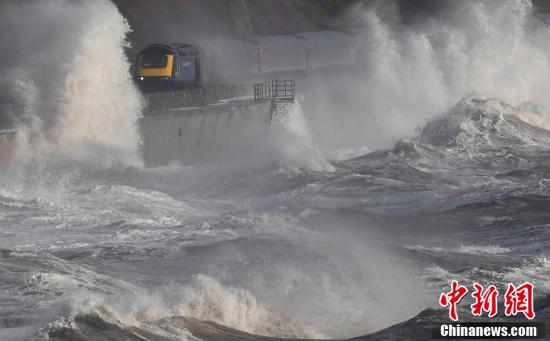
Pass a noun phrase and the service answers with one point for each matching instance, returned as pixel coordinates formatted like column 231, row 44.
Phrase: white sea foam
column 465, row 249
column 535, row 270
column 483, row 249
column 204, row 298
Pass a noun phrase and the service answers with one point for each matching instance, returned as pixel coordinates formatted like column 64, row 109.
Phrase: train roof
column 277, row 38
column 326, row 34
column 171, row 46
column 224, row 42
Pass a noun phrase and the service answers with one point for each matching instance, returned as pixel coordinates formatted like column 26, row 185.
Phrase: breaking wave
column 67, row 80
column 492, row 49
column 204, row 299
column 175, row 310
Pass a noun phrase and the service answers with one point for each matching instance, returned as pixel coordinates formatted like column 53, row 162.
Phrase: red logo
column 484, row 301
column 519, row 300
column 452, row 298
column 516, row 300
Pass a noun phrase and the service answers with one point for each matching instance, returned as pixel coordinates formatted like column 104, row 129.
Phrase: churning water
column 307, row 243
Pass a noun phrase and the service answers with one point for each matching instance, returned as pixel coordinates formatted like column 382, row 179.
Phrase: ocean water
column 353, row 220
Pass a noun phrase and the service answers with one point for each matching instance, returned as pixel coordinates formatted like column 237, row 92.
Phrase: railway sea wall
column 203, row 134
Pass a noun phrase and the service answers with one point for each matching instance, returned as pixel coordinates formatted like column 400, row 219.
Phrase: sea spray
column 203, row 298
column 413, row 72
column 68, row 80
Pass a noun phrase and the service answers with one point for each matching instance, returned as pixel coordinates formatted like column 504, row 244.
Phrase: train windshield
column 154, row 59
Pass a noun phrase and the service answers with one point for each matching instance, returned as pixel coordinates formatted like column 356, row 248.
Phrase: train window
column 153, row 60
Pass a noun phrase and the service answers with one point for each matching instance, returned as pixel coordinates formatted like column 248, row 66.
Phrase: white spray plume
column 414, row 72
column 67, row 80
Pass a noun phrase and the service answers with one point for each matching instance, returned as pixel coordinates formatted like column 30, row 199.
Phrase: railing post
column 307, row 50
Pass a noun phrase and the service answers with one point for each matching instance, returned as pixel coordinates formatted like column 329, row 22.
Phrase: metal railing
column 160, row 101
column 278, row 90
column 283, row 90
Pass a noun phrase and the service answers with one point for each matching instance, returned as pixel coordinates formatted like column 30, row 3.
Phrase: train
column 170, row 66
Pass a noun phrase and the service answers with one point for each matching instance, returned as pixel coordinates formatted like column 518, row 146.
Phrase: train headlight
column 141, row 78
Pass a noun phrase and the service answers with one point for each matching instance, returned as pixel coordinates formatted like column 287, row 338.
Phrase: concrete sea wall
column 203, row 134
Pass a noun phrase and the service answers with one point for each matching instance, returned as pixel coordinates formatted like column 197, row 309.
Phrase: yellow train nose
column 159, row 71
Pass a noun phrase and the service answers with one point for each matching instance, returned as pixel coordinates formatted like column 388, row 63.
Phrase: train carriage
column 228, row 59
column 282, row 53
column 328, row 48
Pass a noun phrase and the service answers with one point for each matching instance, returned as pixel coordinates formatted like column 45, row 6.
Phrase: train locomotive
column 235, row 61
column 168, row 66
